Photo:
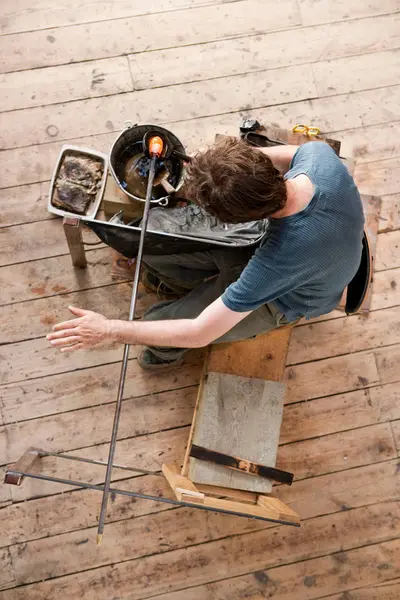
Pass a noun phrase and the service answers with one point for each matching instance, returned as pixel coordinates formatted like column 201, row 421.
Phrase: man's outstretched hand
column 86, row 331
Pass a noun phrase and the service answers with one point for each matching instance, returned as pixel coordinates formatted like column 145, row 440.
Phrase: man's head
column 235, row 182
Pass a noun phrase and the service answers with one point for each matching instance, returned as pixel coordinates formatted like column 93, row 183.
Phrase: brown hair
column 235, row 182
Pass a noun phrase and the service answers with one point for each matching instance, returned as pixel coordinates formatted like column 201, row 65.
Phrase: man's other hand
column 86, row 331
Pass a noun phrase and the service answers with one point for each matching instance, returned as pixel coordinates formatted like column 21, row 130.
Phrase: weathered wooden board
column 93, row 426
column 347, row 75
column 36, row 358
column 90, row 387
column 252, row 53
column 24, row 204
column 390, row 213
column 35, row 240
column 36, row 163
column 330, row 376
column 358, row 487
column 384, row 591
column 225, row 94
column 386, row 361
column 253, row 551
column 239, row 416
column 50, row 276
column 340, row 571
column 117, row 37
column 326, row 11
column 35, row 318
column 329, row 415
column 342, row 336
column 396, row 434
column 66, row 83
column 378, row 178
column 308, row 458
column 192, row 100
column 115, row 200
column 22, row 16
column 145, row 451
column 262, row 357
column 387, row 251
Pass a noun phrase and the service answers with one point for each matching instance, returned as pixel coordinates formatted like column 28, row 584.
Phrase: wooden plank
column 396, row 434
column 182, row 486
column 35, row 318
column 262, row 357
column 36, row 358
column 329, row 415
column 239, row 416
column 331, row 376
column 182, row 101
column 92, row 426
column 386, row 400
column 283, row 512
column 105, row 39
column 258, row 550
column 252, row 53
column 24, row 204
column 377, row 445
column 307, row 458
column 390, row 213
column 311, row 497
column 22, row 16
column 73, row 234
column 145, row 451
column 51, row 85
column 325, row 11
column 378, row 178
column 370, row 143
column 383, row 591
column 7, row 578
column 94, row 386
column 341, row 336
column 351, row 74
column 340, row 571
column 50, row 276
column 342, row 490
column 35, row 240
column 385, row 289
column 387, row 361
column 37, row 163
column 29, row 165
column 387, row 251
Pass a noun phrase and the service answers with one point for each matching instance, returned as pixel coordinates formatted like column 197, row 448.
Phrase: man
column 310, row 253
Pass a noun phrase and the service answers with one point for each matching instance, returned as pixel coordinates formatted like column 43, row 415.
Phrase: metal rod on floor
column 106, row 491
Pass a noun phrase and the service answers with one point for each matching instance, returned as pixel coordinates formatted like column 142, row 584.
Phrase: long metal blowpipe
column 155, row 148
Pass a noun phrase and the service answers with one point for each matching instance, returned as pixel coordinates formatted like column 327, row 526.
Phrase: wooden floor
column 74, row 72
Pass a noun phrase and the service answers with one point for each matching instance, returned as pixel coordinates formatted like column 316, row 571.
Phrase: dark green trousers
column 203, row 277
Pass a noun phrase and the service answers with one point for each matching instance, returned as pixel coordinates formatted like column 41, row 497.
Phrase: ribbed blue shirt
column 307, row 259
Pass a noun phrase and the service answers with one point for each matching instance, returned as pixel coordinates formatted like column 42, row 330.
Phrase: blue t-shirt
column 307, row 259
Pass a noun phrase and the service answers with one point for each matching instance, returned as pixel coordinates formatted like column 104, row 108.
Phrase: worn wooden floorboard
column 337, row 113
column 73, row 73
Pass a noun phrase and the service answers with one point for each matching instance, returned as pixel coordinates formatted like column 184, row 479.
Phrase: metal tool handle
column 124, row 366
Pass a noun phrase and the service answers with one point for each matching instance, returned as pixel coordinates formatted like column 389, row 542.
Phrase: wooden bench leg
column 73, row 234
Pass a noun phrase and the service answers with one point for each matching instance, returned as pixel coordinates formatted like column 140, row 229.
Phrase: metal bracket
column 240, row 464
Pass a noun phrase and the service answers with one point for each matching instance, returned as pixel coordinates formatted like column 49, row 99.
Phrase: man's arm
column 91, row 328
column 281, row 156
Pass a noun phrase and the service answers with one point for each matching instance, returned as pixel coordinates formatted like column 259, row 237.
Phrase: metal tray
column 95, row 203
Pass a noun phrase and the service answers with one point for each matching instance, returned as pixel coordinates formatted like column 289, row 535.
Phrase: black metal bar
column 240, row 464
column 121, row 385
column 171, row 501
